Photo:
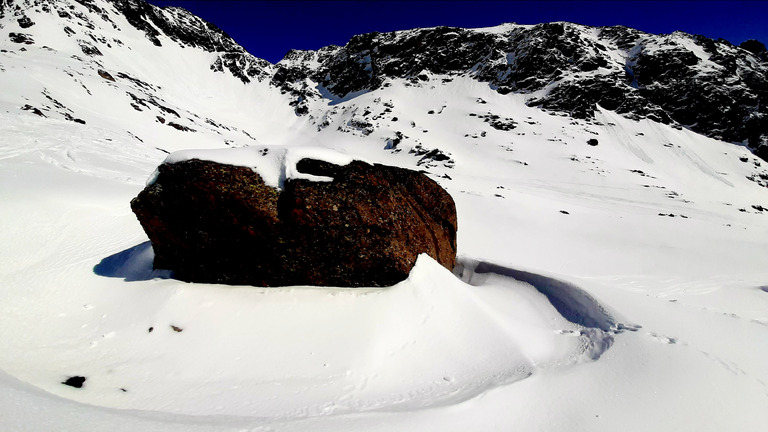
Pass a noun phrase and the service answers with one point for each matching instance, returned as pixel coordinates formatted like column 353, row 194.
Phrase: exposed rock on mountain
column 191, row 31
column 711, row 87
column 755, row 47
column 177, row 24
column 21, row 38
column 220, row 223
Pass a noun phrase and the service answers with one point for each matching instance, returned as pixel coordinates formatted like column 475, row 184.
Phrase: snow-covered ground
column 620, row 286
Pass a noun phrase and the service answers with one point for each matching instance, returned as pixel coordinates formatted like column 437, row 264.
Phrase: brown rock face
column 216, row 223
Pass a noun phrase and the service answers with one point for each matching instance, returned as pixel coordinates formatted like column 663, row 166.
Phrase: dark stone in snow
column 106, row 75
column 25, row 22
column 75, row 381
column 180, row 127
column 21, row 38
column 592, row 141
column 216, row 223
column 88, row 49
column 34, row 110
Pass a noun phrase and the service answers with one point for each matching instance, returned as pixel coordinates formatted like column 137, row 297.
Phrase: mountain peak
column 709, row 86
column 690, row 81
column 88, row 21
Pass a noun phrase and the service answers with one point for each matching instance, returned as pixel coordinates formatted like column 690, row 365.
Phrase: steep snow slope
column 617, row 286
column 99, row 70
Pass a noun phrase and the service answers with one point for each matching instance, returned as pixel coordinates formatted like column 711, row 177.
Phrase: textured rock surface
column 221, row 224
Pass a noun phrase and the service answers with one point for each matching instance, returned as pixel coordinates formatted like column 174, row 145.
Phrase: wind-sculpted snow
column 431, row 340
column 574, row 304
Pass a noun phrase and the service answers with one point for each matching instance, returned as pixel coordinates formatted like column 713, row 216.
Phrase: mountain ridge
column 709, row 86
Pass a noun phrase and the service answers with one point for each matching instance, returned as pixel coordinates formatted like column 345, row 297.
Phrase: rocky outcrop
column 216, row 223
column 709, row 86
column 188, row 30
column 21, row 38
column 689, row 81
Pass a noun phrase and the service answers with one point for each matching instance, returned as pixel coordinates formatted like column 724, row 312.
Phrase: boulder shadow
column 133, row 265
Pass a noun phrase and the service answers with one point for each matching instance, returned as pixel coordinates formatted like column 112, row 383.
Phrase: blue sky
column 268, row 29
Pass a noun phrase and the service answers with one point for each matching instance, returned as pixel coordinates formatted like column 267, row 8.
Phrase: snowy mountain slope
column 616, row 286
column 711, row 87
column 88, row 63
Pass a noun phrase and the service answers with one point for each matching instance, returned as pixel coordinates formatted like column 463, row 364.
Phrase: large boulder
column 217, row 223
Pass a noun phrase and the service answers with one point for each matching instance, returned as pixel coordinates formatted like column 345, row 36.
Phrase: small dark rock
column 89, row 49
column 21, row 38
column 106, row 75
column 177, row 329
column 564, row 212
column 180, row 127
column 34, row 110
column 592, row 141
column 69, row 117
column 75, row 381
column 25, row 22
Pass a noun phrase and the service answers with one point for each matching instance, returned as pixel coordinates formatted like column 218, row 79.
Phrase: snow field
column 579, row 302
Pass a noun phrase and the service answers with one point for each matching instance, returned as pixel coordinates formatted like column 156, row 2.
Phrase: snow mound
column 431, row 340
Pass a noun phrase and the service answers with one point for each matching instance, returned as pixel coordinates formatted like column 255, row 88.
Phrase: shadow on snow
column 133, row 264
